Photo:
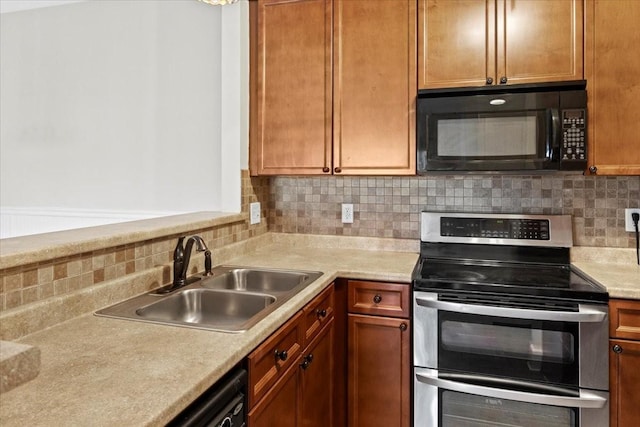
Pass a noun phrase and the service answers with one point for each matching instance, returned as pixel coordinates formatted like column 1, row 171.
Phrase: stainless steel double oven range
column 506, row 331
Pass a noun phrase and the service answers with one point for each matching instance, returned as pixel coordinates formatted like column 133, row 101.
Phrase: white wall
column 131, row 106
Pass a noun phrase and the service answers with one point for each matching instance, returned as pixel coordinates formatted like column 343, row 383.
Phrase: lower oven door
column 443, row 402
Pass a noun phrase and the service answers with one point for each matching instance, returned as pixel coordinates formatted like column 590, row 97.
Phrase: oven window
column 524, row 349
column 535, row 345
column 488, row 136
column 468, row 410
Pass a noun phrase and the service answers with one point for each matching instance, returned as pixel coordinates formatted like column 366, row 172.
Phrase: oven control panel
column 498, row 228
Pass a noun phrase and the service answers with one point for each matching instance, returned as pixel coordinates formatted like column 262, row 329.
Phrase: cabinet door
column 456, row 43
column 271, row 359
column 624, row 383
column 375, row 86
column 280, row 407
column 379, row 373
column 539, row 41
column 317, row 385
column 293, row 88
column 613, row 86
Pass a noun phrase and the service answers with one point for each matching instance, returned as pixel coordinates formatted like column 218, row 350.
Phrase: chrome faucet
column 181, row 257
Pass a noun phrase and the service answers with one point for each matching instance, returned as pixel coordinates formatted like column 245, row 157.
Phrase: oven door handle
column 585, row 314
column 587, row 398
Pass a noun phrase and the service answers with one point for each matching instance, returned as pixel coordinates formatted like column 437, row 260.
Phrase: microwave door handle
column 553, row 144
column 586, row 399
column 585, row 314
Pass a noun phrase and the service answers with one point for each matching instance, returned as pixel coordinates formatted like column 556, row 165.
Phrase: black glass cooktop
column 506, row 278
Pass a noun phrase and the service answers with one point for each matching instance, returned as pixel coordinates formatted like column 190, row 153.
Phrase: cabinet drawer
column 270, row 360
column 376, row 298
column 318, row 313
column 624, row 319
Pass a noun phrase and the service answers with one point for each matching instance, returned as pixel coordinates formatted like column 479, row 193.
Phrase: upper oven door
column 491, row 132
column 526, row 345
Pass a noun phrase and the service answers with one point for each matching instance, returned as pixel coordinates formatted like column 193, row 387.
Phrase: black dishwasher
column 222, row 405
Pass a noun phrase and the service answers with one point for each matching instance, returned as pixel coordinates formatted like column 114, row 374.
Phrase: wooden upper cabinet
column 334, row 87
column 540, row 41
column 291, row 87
column 612, row 69
column 374, row 87
column 480, row 42
column 456, row 42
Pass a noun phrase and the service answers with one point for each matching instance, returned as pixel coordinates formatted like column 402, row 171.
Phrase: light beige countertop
column 615, row 269
column 103, row 371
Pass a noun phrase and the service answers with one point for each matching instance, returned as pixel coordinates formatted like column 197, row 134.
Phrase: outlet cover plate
column 347, row 213
column 628, row 222
column 254, row 209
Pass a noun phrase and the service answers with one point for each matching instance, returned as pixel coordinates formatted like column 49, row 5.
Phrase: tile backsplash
column 391, row 206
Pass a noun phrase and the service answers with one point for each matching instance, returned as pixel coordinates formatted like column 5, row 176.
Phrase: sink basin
column 203, row 306
column 256, row 280
column 232, row 299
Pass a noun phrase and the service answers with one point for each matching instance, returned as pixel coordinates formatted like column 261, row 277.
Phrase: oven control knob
column 617, row 349
column 377, row 299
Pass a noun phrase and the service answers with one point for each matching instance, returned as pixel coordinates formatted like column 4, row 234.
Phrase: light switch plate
column 628, row 222
column 254, row 209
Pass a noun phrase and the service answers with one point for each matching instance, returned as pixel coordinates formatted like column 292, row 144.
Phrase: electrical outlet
column 347, row 213
column 254, row 209
column 628, row 222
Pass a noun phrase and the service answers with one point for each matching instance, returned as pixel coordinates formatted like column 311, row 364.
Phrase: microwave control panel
column 574, row 140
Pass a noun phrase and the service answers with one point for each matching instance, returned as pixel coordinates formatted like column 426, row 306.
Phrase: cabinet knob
column 489, row 80
column 337, row 170
column 281, row 355
column 503, row 80
column 326, row 169
column 321, row 313
column 617, row 349
column 306, row 361
column 377, row 298
column 593, row 169
column 403, row 326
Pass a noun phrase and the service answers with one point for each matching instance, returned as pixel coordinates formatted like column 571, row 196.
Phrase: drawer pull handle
column 281, row 355
column 617, row 349
column 377, row 299
column 403, row 326
column 321, row 313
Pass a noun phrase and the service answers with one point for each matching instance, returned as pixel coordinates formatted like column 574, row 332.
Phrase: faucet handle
column 207, row 263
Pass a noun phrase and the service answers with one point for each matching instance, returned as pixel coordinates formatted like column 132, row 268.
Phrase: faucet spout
column 181, row 258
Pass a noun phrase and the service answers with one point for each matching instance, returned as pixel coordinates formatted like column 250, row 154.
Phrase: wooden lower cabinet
column 297, row 388
column 378, row 354
column 624, row 380
column 280, row 406
column 379, row 371
column 624, row 363
column 316, row 384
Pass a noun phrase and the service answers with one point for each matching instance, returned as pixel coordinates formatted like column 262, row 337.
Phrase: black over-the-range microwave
column 517, row 128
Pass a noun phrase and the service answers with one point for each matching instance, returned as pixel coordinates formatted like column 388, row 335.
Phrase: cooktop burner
column 557, row 276
column 491, row 254
column 560, row 281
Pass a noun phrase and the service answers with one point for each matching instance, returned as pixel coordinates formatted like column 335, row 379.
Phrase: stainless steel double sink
column 233, row 299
